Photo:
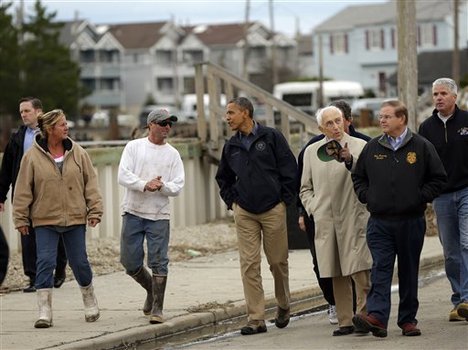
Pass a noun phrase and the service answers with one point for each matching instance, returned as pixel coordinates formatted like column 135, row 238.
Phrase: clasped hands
column 154, row 185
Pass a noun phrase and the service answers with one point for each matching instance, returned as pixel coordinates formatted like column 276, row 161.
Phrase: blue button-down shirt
column 247, row 140
column 396, row 142
column 28, row 138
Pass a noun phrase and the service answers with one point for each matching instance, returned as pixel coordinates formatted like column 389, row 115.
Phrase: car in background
column 369, row 105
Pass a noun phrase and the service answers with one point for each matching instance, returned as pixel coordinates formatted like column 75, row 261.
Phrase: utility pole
column 245, row 73
column 408, row 59
column 320, row 90
column 273, row 45
column 20, row 23
column 456, row 49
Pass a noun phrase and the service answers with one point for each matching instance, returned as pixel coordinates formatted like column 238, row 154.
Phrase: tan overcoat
column 340, row 219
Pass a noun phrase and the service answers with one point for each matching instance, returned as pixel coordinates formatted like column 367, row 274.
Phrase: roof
column 430, row 69
column 374, row 14
column 70, row 29
column 219, row 34
column 137, row 35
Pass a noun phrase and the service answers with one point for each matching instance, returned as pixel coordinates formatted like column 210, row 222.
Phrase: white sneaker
column 332, row 314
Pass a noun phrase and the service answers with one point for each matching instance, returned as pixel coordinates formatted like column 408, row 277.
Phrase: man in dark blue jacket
column 257, row 180
column 396, row 175
column 19, row 143
column 447, row 129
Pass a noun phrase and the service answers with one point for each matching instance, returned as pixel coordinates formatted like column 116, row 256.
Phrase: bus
column 304, row 95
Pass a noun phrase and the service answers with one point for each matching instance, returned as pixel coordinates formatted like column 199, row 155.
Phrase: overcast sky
column 307, row 13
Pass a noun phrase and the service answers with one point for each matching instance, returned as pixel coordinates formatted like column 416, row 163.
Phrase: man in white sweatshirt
column 151, row 170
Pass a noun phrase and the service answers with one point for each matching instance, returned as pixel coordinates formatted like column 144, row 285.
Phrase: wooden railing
column 221, row 81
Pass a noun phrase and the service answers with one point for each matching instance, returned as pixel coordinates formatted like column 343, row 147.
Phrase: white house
column 359, row 43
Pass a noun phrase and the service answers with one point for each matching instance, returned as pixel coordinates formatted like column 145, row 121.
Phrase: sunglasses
column 165, row 123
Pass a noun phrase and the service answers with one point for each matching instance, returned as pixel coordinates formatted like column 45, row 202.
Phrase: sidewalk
column 211, row 284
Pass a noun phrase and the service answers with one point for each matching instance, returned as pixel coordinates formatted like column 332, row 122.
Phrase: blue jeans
column 74, row 239
column 134, row 231
column 452, row 220
column 388, row 239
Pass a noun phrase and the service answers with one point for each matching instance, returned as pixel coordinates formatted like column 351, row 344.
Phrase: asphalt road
column 313, row 331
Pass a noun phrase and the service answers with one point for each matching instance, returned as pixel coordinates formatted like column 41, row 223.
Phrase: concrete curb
column 301, row 301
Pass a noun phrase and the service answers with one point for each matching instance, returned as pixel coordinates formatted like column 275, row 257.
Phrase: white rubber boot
column 90, row 303
column 44, row 301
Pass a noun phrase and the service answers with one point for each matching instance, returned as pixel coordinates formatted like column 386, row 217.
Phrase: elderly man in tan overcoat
column 340, row 219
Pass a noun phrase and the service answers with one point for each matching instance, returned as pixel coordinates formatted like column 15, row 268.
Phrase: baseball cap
column 329, row 151
column 158, row 115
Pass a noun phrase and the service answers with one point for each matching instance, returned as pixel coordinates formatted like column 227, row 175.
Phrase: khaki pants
column 250, row 229
column 343, row 291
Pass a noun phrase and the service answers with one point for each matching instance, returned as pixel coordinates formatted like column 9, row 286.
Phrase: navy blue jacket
column 11, row 162
column 451, row 143
column 398, row 184
column 259, row 178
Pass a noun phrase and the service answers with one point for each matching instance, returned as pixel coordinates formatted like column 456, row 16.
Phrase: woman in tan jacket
column 57, row 188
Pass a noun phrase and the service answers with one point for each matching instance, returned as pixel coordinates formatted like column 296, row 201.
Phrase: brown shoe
column 371, row 324
column 454, row 317
column 410, row 330
column 254, row 327
column 462, row 310
column 282, row 317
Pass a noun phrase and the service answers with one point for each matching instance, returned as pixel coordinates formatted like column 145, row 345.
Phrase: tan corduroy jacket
column 50, row 197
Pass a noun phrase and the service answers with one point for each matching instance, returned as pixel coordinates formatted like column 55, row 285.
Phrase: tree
column 9, row 63
column 48, row 71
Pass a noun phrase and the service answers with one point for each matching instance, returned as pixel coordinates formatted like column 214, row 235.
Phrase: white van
column 189, row 105
column 304, row 95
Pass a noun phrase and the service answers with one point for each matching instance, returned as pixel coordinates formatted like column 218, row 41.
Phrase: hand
column 154, row 185
column 2, row 207
column 24, row 230
column 301, row 223
column 93, row 222
column 345, row 155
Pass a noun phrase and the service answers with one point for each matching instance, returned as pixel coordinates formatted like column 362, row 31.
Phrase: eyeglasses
column 165, row 123
column 385, row 117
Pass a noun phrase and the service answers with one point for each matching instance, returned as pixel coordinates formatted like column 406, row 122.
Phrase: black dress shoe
column 58, row 281
column 282, row 317
column 254, row 327
column 30, row 289
column 343, row 331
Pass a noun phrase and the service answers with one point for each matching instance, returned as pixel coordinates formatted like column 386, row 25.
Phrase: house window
column 338, row 43
column 109, row 56
column 164, row 57
column 86, row 56
column 258, row 52
column 192, row 56
column 383, row 83
column 110, row 84
column 375, row 39
column 89, row 84
column 427, row 35
column 165, row 85
column 189, row 85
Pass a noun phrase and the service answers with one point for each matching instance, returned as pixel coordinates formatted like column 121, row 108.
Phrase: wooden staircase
column 213, row 131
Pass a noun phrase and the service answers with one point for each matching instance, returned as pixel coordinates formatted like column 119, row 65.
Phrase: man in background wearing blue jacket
column 257, row 180
column 447, row 129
